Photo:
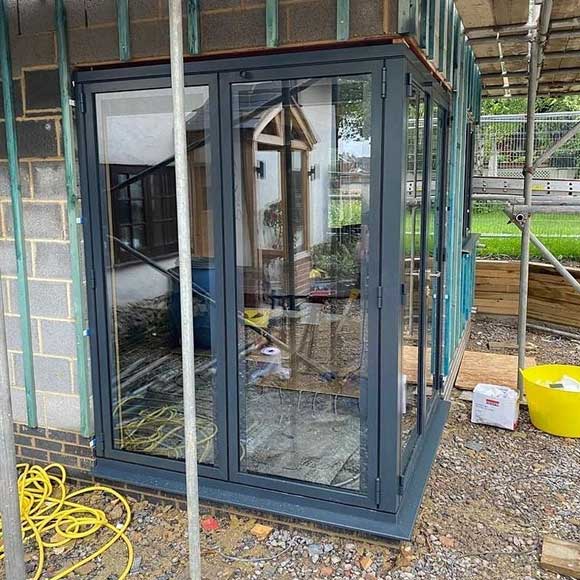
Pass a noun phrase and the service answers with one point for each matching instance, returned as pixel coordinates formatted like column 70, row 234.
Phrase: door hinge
column 409, row 85
column 98, row 443
column 379, row 297
column 82, row 104
column 403, row 292
column 92, row 283
column 384, row 82
column 401, row 484
column 378, row 490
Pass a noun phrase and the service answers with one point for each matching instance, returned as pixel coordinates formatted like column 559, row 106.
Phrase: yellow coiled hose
column 49, row 510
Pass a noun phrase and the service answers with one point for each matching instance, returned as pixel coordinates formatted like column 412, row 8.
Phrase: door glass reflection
column 302, row 155
column 137, row 176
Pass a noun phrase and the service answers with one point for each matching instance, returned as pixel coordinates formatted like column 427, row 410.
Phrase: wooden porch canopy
column 498, row 34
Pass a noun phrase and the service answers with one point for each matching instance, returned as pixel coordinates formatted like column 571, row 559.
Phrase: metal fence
column 499, row 153
column 500, row 146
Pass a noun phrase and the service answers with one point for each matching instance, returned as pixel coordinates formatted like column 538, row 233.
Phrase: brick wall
column 45, row 446
column 226, row 25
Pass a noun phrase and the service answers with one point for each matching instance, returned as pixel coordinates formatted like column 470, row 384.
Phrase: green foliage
column 503, row 106
column 353, row 110
column 518, row 105
column 337, row 260
column 345, row 212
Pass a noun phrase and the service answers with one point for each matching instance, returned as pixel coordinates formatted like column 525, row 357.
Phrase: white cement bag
column 495, row 405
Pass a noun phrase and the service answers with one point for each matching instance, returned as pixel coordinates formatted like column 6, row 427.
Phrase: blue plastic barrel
column 203, row 277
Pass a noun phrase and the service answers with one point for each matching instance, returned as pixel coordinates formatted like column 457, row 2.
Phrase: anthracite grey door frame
column 416, row 77
column 95, row 213
column 390, row 65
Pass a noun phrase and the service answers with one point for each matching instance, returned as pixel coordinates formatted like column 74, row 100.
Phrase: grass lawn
column 499, row 238
column 559, row 232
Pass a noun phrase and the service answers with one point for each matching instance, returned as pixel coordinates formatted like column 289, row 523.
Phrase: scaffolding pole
column 537, row 42
column 9, row 501
column 17, row 217
column 545, row 252
column 185, row 284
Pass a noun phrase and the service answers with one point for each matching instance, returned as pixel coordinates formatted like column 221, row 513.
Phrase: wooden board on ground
column 561, row 557
column 491, row 368
column 411, row 364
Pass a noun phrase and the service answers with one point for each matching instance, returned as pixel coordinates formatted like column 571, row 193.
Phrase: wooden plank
column 561, row 557
column 550, row 297
column 487, row 367
column 411, row 364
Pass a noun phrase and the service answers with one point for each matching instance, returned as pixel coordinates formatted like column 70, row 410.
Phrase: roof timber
column 556, row 24
column 523, row 37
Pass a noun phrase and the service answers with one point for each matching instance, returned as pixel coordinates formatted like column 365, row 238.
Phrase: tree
column 518, row 105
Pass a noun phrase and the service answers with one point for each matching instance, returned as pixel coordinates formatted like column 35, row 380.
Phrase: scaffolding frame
column 521, row 215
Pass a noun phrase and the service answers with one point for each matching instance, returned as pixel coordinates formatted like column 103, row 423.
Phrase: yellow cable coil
column 48, row 509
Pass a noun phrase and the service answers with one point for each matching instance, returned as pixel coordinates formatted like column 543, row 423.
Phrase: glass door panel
column 137, row 185
column 424, row 211
column 302, row 175
column 415, row 214
column 434, row 251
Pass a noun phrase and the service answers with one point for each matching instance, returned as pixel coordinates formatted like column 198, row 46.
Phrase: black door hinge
column 401, row 484
column 82, row 104
column 91, row 276
column 98, row 444
column 409, row 85
column 384, row 82
column 379, row 297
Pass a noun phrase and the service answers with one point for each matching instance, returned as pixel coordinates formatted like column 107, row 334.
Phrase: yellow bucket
column 553, row 410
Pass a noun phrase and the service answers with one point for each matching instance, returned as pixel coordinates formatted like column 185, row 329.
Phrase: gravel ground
column 492, row 334
column 491, row 497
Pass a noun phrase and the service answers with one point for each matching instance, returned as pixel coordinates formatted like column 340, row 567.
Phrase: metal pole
column 186, row 296
column 548, row 255
column 72, row 215
column 123, row 30
column 9, row 500
column 537, row 43
column 556, row 331
column 17, row 218
column 342, row 19
column 570, row 134
column 528, row 178
column 193, row 27
column 272, row 31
